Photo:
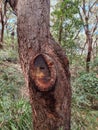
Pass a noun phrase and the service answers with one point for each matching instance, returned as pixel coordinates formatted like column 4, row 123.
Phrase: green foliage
column 83, row 119
column 66, row 25
column 8, row 55
column 15, row 114
column 10, row 41
column 66, row 16
column 94, row 65
column 15, row 111
column 86, row 88
column 85, row 96
column 9, row 51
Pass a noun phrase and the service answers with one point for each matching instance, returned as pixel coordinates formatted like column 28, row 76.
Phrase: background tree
column 2, row 22
column 89, row 18
column 7, row 16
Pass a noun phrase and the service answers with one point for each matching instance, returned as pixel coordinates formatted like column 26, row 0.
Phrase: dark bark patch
column 43, row 72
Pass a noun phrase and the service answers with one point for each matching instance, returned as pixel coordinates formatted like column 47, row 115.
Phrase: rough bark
column 50, row 93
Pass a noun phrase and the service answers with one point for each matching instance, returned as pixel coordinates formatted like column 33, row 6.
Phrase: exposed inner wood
column 43, row 72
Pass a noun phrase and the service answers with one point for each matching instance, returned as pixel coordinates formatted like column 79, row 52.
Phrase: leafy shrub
column 85, row 95
column 87, row 88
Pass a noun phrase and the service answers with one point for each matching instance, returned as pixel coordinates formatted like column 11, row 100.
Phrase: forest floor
column 12, row 88
column 11, row 69
column 15, row 110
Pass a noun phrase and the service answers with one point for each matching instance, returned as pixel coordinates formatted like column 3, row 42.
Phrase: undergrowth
column 15, row 110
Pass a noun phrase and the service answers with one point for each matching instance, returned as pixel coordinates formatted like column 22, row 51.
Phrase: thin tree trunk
column 89, row 53
column 89, row 32
column 89, row 43
column 60, row 31
column 2, row 25
column 2, row 30
column 45, row 67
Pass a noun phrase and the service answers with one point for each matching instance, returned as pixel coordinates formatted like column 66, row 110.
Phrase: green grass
column 15, row 110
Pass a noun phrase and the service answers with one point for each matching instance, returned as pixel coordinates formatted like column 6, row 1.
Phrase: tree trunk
column 89, row 52
column 45, row 67
column 2, row 30
column 60, row 31
column 2, row 25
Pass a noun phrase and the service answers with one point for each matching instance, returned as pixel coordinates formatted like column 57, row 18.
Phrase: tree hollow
column 43, row 72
